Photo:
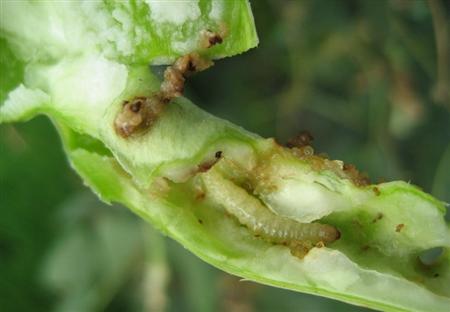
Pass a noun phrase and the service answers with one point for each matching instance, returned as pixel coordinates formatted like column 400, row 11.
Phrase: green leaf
column 83, row 61
column 150, row 31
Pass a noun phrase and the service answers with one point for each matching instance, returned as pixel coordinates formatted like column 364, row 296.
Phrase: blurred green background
column 370, row 81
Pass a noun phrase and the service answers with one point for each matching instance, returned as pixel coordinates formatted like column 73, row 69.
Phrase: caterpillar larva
column 138, row 114
column 261, row 221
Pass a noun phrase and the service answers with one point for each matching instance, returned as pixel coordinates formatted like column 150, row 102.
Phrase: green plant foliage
column 83, row 61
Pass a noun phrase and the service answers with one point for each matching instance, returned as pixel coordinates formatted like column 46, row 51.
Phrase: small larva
column 261, row 221
column 138, row 114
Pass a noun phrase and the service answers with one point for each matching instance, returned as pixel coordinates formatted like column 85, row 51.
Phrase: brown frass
column 139, row 113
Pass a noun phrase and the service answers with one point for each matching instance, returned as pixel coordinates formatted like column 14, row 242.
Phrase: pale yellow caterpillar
column 252, row 213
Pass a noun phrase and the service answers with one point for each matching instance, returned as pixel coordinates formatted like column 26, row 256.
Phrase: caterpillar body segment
column 249, row 211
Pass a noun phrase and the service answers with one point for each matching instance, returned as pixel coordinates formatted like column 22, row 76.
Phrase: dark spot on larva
column 436, row 275
column 399, row 227
column 378, row 217
column 376, row 190
column 365, row 247
column 200, row 221
column 218, row 154
column 257, row 235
